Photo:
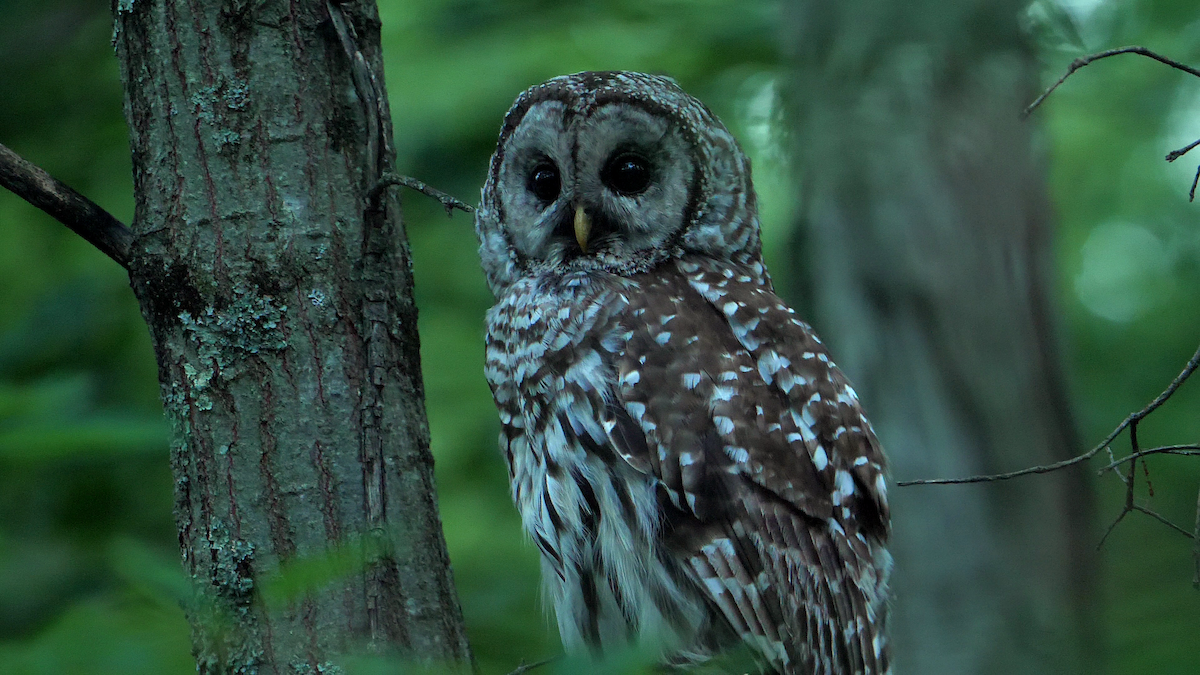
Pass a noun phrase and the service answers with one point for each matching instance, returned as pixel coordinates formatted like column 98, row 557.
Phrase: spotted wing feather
column 760, row 443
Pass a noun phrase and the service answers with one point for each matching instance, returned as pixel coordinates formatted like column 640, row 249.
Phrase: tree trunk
column 923, row 257
column 286, row 336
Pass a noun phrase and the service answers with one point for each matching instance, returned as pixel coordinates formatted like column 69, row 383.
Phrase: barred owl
column 693, row 467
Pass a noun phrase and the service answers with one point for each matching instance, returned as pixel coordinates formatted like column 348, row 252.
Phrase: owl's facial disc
column 607, row 185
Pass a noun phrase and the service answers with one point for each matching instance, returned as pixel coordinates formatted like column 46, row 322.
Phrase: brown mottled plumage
column 695, row 470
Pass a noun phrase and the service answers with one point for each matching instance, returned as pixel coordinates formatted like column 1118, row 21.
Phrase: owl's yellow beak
column 583, row 227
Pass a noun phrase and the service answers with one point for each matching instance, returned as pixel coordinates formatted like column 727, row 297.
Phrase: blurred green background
column 89, row 574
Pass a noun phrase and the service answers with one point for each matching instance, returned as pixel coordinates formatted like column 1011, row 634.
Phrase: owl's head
column 613, row 171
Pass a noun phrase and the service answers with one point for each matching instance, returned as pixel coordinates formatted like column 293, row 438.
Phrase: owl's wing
column 759, row 441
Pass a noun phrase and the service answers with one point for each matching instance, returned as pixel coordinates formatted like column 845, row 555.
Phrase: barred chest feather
column 595, row 518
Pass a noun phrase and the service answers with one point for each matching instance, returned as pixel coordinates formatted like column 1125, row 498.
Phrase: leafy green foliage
column 89, row 574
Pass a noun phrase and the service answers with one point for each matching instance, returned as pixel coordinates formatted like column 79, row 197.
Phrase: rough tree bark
column 282, row 318
column 923, row 253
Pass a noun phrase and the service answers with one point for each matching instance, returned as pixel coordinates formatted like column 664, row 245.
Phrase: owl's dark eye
column 544, row 182
column 627, row 174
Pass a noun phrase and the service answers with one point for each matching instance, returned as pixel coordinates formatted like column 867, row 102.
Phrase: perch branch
column 1130, row 423
column 1085, row 60
column 65, row 205
column 389, row 179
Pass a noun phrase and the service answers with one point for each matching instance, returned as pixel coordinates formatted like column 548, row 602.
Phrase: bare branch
column 1130, row 423
column 449, row 203
column 1188, row 450
column 1111, row 528
column 988, row 478
column 1128, row 508
column 1162, row 520
column 65, row 205
column 1085, row 60
column 1176, row 154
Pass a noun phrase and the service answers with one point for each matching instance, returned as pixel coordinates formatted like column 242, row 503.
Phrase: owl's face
column 605, row 185
column 613, row 172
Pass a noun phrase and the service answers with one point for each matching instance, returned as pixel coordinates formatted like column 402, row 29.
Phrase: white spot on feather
column 769, row 363
column 843, row 486
column 737, row 454
column 691, row 380
column 724, row 424
column 723, row 393
column 716, row 588
column 785, row 380
column 820, row 460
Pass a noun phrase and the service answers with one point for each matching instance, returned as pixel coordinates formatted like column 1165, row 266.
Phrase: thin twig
column 1110, row 529
column 1130, row 422
column 1187, row 450
column 65, row 205
column 526, row 667
column 988, row 478
column 1176, row 154
column 1162, row 520
column 1129, row 505
column 1192, row 192
column 1112, row 458
column 1085, row 60
column 389, row 179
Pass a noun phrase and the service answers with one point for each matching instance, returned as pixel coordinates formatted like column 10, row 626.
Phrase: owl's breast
column 595, row 518
column 549, row 350
column 549, row 332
